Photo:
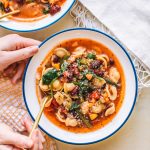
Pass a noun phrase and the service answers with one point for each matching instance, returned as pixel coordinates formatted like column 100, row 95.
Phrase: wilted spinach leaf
column 49, row 76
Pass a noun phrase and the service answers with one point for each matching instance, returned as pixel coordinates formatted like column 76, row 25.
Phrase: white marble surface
column 135, row 134
column 129, row 20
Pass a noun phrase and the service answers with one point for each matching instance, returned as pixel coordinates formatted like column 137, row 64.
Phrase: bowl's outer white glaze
column 37, row 25
column 31, row 101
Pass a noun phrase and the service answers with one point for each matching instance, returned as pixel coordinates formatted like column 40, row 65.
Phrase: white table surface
column 134, row 135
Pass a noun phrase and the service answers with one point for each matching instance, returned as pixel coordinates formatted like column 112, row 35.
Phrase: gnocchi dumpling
column 114, row 74
column 68, row 121
column 68, row 87
column 85, row 107
column 60, row 117
column 71, row 122
column 79, row 51
column 97, row 108
column 59, row 98
column 98, row 83
column 112, row 92
column 61, row 52
column 103, row 58
column 43, row 87
column 110, row 110
column 57, row 85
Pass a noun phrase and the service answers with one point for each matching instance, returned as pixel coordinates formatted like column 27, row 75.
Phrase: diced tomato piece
column 95, row 95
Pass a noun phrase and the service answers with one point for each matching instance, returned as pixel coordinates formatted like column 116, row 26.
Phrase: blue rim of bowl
column 37, row 29
column 136, row 83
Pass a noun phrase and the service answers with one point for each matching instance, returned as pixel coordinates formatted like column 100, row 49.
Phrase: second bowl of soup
column 33, row 14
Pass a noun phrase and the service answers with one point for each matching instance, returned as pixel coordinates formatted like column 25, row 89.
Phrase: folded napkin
column 129, row 20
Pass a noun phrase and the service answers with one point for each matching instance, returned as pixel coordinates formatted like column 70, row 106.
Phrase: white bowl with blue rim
column 131, row 89
column 20, row 26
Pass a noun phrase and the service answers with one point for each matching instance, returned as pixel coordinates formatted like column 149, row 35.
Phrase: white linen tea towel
column 129, row 20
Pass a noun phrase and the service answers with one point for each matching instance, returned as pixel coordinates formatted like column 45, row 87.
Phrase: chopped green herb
column 74, row 106
column 64, row 66
column 85, row 87
column 78, row 61
column 91, row 56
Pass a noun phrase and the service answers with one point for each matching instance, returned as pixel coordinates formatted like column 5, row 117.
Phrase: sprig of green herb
column 84, row 120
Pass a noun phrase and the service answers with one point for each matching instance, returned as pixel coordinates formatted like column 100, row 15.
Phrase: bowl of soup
column 33, row 14
column 89, row 82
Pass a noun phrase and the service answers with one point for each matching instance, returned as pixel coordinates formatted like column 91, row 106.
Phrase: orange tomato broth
column 100, row 49
column 32, row 12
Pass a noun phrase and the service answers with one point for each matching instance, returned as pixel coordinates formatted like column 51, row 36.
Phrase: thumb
column 19, row 140
column 21, row 54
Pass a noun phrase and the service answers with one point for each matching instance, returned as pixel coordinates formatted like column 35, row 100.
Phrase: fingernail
column 35, row 50
column 35, row 46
